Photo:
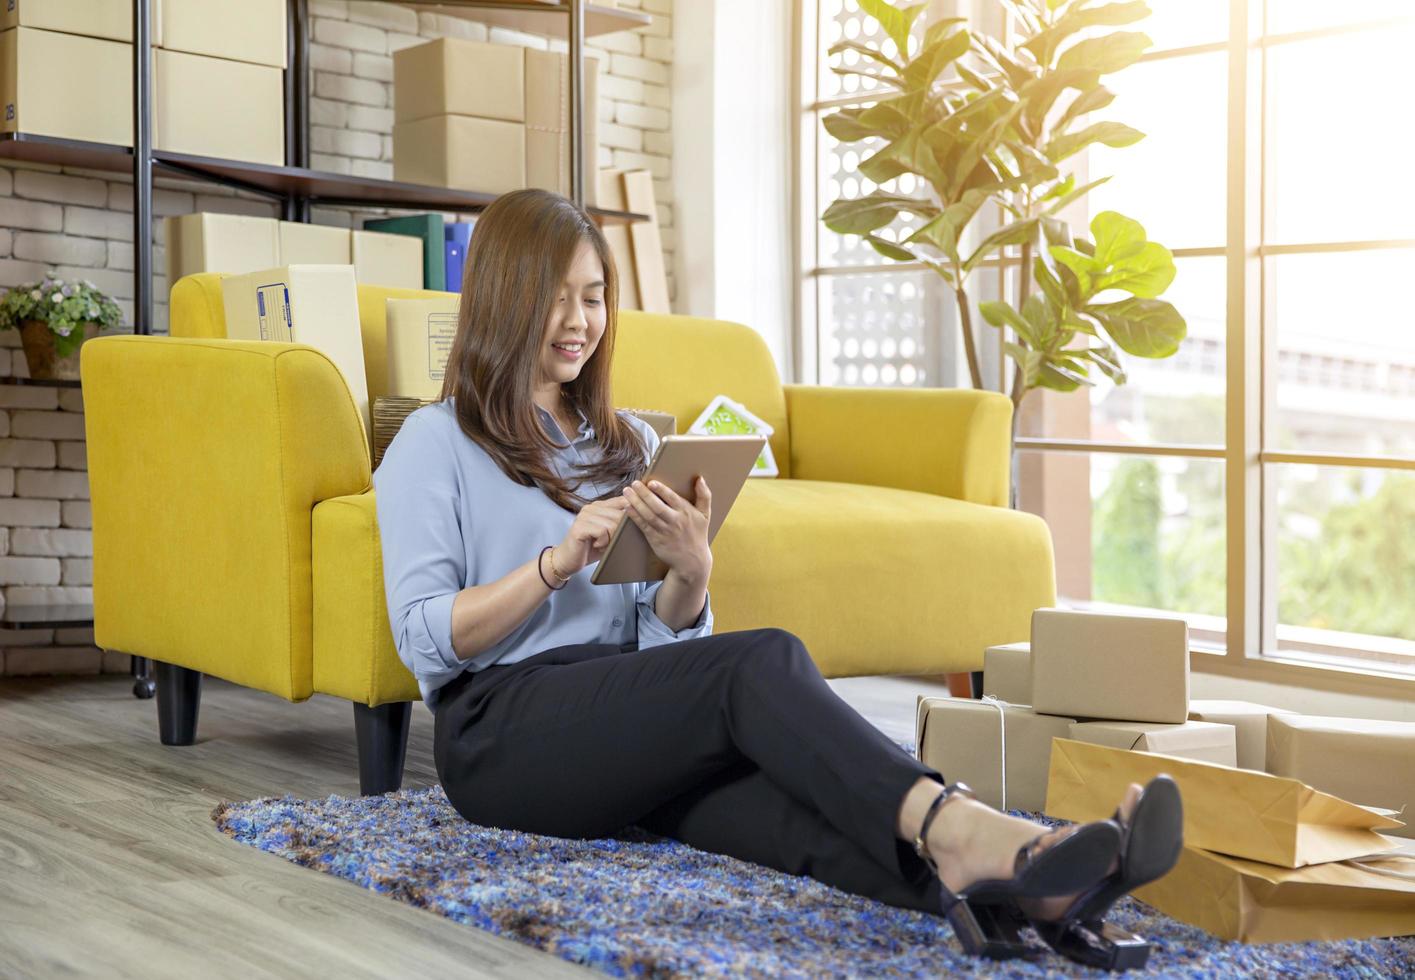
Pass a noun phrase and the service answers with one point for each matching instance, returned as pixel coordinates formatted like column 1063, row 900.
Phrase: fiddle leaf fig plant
column 988, row 126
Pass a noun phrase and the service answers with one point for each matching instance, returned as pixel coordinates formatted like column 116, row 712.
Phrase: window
column 1262, row 480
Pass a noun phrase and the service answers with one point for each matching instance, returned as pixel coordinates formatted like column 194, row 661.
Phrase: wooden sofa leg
column 178, row 700
column 382, row 734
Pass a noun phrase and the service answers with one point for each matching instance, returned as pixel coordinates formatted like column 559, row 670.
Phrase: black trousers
column 731, row 743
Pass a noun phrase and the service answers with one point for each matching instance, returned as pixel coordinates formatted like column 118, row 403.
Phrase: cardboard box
column 963, row 739
column 428, row 229
column 381, row 259
column 1095, row 665
column 1260, row 903
column 228, row 243
column 251, row 31
column 108, row 19
column 218, row 108
column 454, row 76
column 548, row 123
column 66, row 86
column 420, row 335
column 1234, row 811
column 461, row 152
column 1201, row 740
column 316, row 305
column 1007, row 673
column 1367, row 762
column 1250, row 722
column 306, row 244
column 662, row 423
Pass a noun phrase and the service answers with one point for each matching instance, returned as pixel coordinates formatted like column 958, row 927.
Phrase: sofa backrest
column 671, row 363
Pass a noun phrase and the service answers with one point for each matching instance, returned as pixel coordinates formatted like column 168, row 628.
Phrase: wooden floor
column 111, row 866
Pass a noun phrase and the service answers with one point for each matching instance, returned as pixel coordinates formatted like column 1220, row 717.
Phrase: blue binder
column 458, row 236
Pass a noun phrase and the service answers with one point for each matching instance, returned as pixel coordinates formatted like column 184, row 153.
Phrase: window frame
column 1251, row 372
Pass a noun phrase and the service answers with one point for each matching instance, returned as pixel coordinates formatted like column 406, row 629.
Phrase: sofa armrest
column 206, row 458
column 947, row 441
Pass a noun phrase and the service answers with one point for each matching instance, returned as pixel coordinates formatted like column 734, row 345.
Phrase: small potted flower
column 54, row 318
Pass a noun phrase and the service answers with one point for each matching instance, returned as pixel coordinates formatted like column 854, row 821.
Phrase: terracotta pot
column 38, row 342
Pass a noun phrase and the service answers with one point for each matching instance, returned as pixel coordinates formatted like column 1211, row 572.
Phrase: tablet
column 723, row 461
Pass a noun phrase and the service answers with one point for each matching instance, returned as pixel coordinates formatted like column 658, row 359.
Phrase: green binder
column 428, row 227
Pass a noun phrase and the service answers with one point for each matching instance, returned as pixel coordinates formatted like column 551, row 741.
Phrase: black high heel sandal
column 983, row 914
column 1150, row 845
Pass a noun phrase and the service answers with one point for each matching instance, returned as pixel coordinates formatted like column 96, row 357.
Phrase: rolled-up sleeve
column 424, row 555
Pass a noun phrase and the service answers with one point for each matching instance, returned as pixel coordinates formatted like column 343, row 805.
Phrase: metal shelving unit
column 294, row 185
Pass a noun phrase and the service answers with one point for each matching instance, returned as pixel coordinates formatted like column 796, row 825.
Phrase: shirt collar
column 585, row 431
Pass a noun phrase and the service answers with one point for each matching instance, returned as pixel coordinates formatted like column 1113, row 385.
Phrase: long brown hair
column 519, row 256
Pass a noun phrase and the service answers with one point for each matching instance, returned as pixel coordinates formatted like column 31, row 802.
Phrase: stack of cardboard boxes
column 66, row 70
column 489, row 117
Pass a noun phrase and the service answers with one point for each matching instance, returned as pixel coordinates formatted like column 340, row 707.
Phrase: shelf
column 318, row 186
column 40, row 382
column 544, row 17
column 46, row 617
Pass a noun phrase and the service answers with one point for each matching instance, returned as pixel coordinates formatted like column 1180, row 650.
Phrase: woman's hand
column 589, row 535
column 675, row 529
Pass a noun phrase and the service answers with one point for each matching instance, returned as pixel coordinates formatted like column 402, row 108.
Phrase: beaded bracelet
column 539, row 561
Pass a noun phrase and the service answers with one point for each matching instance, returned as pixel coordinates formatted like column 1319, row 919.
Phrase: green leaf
column 892, row 118
column 1032, row 166
column 1062, row 374
column 932, row 60
column 1072, row 195
column 945, row 273
column 1087, row 101
column 845, row 125
column 865, row 214
column 1109, row 133
column 1079, row 264
column 1117, row 237
column 940, row 27
column 890, row 250
column 1055, row 231
column 868, row 52
column 1143, row 327
column 896, row 21
column 1048, row 282
column 1044, row 44
column 1147, row 273
column 1041, row 94
column 1030, row 361
column 1105, row 55
column 941, row 233
column 999, row 314
column 1017, row 233
column 1106, row 358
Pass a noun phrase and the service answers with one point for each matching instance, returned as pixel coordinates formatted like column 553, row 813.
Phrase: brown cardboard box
column 547, row 89
column 662, row 423
column 1261, row 903
column 1250, row 722
column 306, row 244
column 251, row 30
column 111, row 19
column 420, row 334
column 218, row 108
column 1201, row 740
column 1367, row 762
column 226, row 243
column 1007, row 672
column 1235, row 811
column 67, row 86
column 1095, row 665
column 454, row 76
column 381, row 259
column 316, row 305
column 461, row 152
column 963, row 740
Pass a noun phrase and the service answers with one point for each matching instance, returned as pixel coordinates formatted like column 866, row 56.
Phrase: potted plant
column 1000, row 134
column 55, row 316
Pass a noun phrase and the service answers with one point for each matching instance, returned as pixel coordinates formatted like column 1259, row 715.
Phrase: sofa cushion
column 877, row 580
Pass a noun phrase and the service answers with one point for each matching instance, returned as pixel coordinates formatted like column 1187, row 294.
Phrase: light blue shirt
column 449, row 519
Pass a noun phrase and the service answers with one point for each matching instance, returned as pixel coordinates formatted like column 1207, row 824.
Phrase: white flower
column 57, row 298
column 68, row 290
column 92, row 311
column 64, row 331
column 35, row 294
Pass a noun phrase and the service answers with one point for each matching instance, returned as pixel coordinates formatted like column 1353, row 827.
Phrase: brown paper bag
column 1233, row 811
column 1260, row 903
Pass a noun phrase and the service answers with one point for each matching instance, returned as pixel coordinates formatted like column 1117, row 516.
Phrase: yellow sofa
column 234, row 529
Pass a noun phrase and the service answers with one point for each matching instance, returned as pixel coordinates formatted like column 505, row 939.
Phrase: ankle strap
column 947, row 793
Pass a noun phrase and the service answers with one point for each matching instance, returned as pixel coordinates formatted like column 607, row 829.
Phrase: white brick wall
column 79, row 224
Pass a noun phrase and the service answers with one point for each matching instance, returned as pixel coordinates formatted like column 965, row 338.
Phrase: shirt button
column 617, row 621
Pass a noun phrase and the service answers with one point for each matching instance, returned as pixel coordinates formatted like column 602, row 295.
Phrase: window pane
column 880, row 329
column 842, row 20
column 1346, row 562
column 1345, row 353
column 1133, row 531
column 1284, row 16
column 1179, row 399
column 1181, row 23
column 1172, row 181
column 1329, row 140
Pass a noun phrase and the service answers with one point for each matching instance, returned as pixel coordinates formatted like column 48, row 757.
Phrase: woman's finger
column 661, row 498
column 638, row 504
column 702, row 498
